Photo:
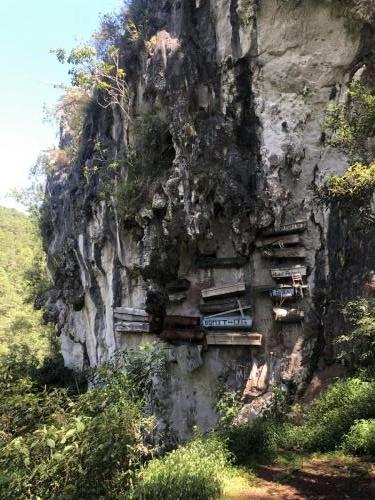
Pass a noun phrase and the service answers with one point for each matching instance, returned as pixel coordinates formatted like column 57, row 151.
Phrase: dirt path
column 322, row 478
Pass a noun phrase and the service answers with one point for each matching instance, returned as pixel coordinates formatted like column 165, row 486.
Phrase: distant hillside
column 20, row 252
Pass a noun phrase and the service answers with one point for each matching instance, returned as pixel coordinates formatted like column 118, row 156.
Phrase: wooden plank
column 288, row 239
column 217, row 306
column 229, row 338
column 131, row 317
column 178, row 285
column 183, row 335
column 127, row 326
column 294, row 227
column 287, row 272
column 228, row 322
column 285, row 253
column 288, row 315
column 283, row 293
column 206, row 262
column 177, row 298
column 224, row 291
column 178, row 321
column 130, row 310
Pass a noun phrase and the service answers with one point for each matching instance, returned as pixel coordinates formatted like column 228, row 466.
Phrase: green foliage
column 333, row 414
column 228, row 406
column 352, row 124
column 194, row 471
column 355, row 186
column 20, row 325
column 358, row 346
column 360, row 439
column 72, row 447
column 260, row 438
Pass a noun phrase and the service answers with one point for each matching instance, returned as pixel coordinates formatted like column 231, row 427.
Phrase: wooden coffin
column 132, row 317
column 281, row 240
column 171, row 322
column 136, row 327
column 206, row 262
column 285, row 253
column 288, row 272
column 130, row 310
column 223, row 291
column 294, row 227
column 288, row 315
column 178, row 285
column 227, row 322
column 177, row 298
column 183, row 335
column 234, row 338
column 217, row 306
column 283, row 293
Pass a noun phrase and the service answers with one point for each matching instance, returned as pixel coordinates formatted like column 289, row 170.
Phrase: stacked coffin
column 131, row 320
column 227, row 324
column 184, row 328
column 284, row 242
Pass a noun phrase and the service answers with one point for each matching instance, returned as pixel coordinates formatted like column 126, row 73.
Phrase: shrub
column 356, row 185
column 193, row 471
column 360, row 439
column 333, row 414
column 64, row 447
column 261, row 437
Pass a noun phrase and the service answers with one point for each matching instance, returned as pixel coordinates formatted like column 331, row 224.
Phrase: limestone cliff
column 227, row 103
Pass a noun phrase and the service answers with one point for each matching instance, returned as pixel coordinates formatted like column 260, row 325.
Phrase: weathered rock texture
column 239, row 90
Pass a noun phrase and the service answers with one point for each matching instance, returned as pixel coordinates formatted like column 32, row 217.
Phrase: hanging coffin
column 223, row 291
column 182, row 335
column 229, row 338
column 132, row 327
column 130, row 310
column 282, row 240
column 178, row 285
column 285, row 253
column 177, row 298
column 283, row 293
column 288, row 272
column 295, row 227
column 288, row 315
column 181, row 321
column 227, row 322
column 218, row 306
column 221, row 262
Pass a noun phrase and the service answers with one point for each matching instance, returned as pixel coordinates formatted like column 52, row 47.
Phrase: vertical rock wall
column 242, row 88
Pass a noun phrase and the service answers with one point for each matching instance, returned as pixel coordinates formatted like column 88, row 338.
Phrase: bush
column 193, row 471
column 262, row 437
column 360, row 440
column 56, row 446
column 334, row 413
column 356, row 185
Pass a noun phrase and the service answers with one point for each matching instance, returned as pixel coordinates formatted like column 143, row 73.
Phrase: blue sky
column 29, row 29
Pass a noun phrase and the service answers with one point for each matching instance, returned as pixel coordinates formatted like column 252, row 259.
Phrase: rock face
column 227, row 103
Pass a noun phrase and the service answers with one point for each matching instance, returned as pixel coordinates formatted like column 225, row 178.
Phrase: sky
column 29, row 29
